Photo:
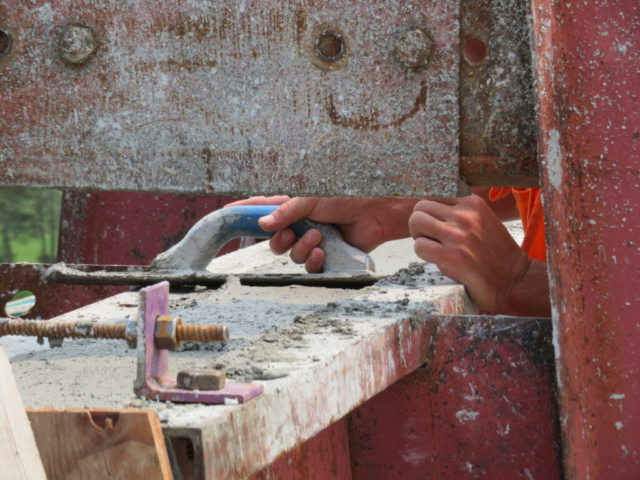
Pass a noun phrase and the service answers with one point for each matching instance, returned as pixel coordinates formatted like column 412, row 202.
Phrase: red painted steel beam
column 129, row 228
column 482, row 406
column 588, row 86
column 323, row 457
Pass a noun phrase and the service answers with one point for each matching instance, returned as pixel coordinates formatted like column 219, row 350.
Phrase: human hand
column 364, row 223
column 470, row 245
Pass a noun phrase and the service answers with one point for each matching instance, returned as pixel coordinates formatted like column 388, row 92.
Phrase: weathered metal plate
column 230, row 97
column 497, row 114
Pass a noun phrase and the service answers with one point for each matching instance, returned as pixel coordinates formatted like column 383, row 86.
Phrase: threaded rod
column 41, row 328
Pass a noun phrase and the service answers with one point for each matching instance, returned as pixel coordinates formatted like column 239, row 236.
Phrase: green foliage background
column 29, row 224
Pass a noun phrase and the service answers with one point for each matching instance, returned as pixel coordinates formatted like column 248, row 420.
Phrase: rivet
column 5, row 43
column 414, row 47
column 76, row 44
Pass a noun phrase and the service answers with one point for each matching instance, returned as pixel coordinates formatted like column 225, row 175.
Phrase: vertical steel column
column 588, row 86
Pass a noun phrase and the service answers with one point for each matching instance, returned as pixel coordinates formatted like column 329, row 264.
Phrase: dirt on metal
column 231, row 97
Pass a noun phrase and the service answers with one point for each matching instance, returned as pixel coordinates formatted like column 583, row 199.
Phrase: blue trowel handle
column 210, row 234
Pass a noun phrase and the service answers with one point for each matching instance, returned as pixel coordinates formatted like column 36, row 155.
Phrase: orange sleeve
column 529, row 204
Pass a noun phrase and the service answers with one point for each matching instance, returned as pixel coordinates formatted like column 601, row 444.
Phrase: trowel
column 186, row 263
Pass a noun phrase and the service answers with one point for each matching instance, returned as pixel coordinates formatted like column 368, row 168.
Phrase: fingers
column 288, row 213
column 282, row 241
column 436, row 209
column 428, row 250
column 305, row 250
column 443, row 201
column 314, row 261
column 424, row 225
column 277, row 200
column 305, row 245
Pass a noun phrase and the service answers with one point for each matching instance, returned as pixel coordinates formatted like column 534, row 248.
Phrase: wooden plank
column 100, row 444
column 19, row 456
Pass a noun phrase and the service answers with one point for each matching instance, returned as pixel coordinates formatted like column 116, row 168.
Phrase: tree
column 28, row 214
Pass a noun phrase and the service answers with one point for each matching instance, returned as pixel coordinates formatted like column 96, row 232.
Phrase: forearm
column 393, row 216
column 530, row 295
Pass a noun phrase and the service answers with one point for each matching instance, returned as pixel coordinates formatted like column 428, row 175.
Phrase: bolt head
column 166, row 332
column 76, row 44
column 414, row 47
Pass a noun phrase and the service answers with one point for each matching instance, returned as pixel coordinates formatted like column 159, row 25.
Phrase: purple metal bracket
column 153, row 379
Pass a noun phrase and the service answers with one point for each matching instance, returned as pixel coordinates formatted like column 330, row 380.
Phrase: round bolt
column 5, row 43
column 414, row 47
column 329, row 46
column 131, row 333
column 77, row 44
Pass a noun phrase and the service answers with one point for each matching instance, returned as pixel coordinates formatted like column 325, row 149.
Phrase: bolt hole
column 475, row 51
column 330, row 46
column 20, row 304
column 5, row 43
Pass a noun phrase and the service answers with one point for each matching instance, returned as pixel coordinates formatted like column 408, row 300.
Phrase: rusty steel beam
column 587, row 64
column 229, row 98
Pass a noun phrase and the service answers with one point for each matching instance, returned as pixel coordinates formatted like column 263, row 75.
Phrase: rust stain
column 176, row 65
column 301, row 27
column 370, row 121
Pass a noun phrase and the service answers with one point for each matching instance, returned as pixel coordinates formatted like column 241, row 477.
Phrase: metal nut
column 166, row 332
column 77, row 44
column 414, row 47
column 201, row 379
column 131, row 333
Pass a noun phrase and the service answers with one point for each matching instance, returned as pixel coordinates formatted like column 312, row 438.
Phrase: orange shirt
column 530, row 207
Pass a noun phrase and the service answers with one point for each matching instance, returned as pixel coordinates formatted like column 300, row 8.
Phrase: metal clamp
column 153, row 380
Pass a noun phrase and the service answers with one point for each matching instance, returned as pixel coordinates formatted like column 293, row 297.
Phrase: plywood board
column 101, row 444
column 19, row 456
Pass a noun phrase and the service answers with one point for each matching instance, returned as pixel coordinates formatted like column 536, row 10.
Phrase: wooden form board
column 19, row 458
column 100, row 444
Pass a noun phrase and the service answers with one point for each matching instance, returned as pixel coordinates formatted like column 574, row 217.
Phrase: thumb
column 288, row 213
